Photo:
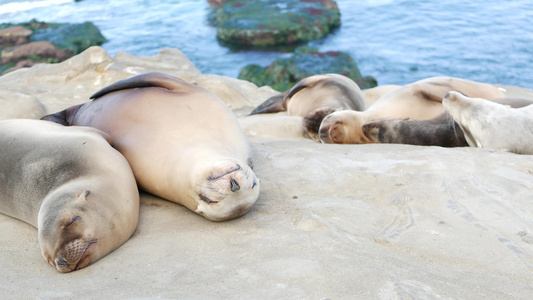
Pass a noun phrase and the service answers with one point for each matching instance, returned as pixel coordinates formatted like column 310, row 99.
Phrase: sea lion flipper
column 58, row 117
column 271, row 105
column 312, row 120
column 150, row 79
column 63, row 117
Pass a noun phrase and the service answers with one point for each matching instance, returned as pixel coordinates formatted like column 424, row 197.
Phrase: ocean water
column 395, row 41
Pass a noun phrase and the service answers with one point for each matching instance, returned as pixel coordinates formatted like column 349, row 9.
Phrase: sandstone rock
column 42, row 50
column 13, row 36
column 71, row 82
column 21, row 64
column 283, row 73
column 270, row 23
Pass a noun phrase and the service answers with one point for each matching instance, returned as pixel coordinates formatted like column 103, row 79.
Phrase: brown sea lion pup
column 72, row 185
column 182, row 142
column 420, row 100
column 441, row 131
column 491, row 125
column 314, row 97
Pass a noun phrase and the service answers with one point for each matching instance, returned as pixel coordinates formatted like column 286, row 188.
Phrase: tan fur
column 420, row 100
column 177, row 137
column 72, row 185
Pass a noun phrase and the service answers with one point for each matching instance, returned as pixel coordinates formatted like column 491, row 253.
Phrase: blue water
column 395, row 41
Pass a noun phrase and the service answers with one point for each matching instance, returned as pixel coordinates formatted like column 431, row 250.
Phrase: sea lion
column 420, row 100
column 440, row 131
column 182, row 142
column 72, row 185
column 314, row 97
column 491, row 125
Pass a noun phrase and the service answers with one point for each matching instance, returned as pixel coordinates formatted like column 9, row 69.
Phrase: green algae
column 269, row 23
column 282, row 74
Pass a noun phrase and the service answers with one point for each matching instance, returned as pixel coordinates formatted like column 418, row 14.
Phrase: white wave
column 14, row 7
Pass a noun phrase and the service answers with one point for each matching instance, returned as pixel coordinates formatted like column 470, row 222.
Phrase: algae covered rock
column 28, row 43
column 73, row 37
column 282, row 74
column 268, row 23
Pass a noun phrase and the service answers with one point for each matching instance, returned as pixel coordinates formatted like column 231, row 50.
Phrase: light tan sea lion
column 72, row 185
column 491, row 125
column 420, row 101
column 182, row 142
column 314, row 97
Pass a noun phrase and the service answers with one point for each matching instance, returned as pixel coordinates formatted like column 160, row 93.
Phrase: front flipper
column 151, row 79
column 313, row 119
column 271, row 105
column 63, row 117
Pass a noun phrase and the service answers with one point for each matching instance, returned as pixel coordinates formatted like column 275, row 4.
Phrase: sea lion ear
column 84, row 195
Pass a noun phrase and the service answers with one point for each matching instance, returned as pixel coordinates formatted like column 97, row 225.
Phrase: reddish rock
column 41, row 49
column 13, row 36
column 216, row 3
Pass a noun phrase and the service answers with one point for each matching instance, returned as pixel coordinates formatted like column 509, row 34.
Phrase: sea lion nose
column 234, row 185
column 61, row 262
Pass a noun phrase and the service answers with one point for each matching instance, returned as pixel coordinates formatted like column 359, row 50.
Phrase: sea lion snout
column 234, row 186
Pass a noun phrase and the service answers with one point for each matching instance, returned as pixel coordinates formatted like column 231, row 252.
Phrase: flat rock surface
column 332, row 221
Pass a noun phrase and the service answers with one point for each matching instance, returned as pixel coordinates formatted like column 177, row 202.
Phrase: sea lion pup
column 314, row 97
column 420, row 100
column 440, row 131
column 182, row 142
column 72, row 185
column 491, row 125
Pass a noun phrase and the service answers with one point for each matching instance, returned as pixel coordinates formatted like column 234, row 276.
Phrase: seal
column 182, row 142
column 71, row 185
column 440, row 131
column 314, row 97
column 420, row 100
column 491, row 125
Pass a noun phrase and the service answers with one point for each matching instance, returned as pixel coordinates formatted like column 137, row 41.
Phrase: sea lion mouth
column 220, row 175
column 64, row 266
column 206, row 199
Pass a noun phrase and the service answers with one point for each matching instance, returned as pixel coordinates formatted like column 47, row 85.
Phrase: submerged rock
column 269, row 23
column 282, row 74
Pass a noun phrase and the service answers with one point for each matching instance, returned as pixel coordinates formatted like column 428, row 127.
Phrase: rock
column 283, row 73
column 42, row 50
column 13, row 36
column 21, row 64
column 72, row 37
column 216, row 3
column 67, row 39
column 271, row 23
column 58, row 86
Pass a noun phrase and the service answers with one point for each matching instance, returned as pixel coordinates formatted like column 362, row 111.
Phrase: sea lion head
column 463, row 109
column 343, row 127
column 70, row 233
column 226, row 190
